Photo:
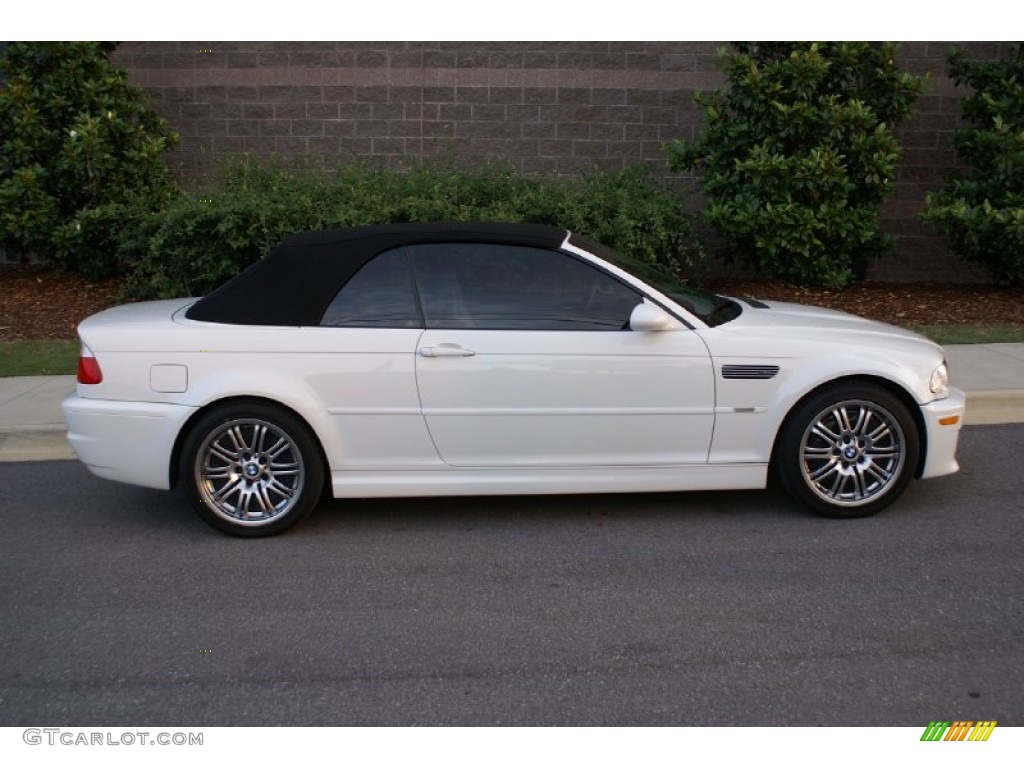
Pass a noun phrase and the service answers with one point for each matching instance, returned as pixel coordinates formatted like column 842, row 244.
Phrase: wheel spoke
column 859, row 486
column 879, row 433
column 836, row 485
column 235, row 434
column 878, row 473
column 882, row 453
column 832, row 466
column 217, row 473
column 280, row 488
column 823, row 432
column 842, row 418
column 261, row 435
column 256, row 492
column 227, row 490
column 244, row 501
column 220, row 453
column 815, row 451
column 277, row 448
column 863, row 415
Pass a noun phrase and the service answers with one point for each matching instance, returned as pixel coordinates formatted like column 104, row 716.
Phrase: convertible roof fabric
column 295, row 283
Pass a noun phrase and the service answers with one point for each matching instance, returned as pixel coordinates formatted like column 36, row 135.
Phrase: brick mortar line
column 425, row 77
column 637, row 79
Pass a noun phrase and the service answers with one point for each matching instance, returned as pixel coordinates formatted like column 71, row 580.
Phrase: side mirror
column 648, row 317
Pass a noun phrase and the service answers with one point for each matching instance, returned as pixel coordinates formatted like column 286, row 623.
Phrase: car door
column 527, row 360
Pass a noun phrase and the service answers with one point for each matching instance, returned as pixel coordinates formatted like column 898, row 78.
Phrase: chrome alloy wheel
column 249, row 472
column 852, row 453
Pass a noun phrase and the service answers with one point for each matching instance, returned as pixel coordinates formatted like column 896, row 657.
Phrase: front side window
column 380, row 295
column 508, row 287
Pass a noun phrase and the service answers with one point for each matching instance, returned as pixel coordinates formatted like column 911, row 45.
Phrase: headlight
column 939, row 382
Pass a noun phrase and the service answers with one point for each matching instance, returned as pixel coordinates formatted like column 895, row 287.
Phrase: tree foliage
column 78, row 144
column 983, row 212
column 798, row 153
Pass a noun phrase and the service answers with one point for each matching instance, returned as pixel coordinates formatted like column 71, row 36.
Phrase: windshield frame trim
column 691, row 321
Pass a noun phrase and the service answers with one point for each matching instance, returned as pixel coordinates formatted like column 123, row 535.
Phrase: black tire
column 848, row 451
column 251, row 469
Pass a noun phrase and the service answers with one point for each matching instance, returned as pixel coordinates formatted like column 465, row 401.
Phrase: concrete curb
column 35, row 444
column 995, row 406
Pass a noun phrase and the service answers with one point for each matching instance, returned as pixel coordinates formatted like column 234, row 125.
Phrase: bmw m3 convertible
column 487, row 358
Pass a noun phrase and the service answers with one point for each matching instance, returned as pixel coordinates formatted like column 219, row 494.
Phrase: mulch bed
column 40, row 302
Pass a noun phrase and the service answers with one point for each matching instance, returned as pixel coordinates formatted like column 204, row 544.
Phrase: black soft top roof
column 296, row 281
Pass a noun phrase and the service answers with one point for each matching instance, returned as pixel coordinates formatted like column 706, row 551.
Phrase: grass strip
column 971, row 334
column 42, row 357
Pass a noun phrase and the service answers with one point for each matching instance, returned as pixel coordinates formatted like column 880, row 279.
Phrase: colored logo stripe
column 958, row 730
column 982, row 730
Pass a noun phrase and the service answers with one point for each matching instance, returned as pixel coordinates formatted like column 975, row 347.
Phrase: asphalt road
column 118, row 606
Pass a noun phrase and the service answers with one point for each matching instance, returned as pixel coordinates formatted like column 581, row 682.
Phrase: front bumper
column 942, row 438
column 125, row 441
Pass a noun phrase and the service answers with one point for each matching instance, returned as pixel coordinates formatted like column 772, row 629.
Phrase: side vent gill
column 749, row 371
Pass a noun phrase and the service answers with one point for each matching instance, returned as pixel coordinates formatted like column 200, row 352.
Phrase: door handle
column 446, row 350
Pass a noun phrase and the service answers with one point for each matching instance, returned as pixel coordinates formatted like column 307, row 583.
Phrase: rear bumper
column 125, row 441
column 942, row 438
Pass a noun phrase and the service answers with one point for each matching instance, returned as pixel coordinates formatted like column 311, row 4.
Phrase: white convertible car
column 443, row 359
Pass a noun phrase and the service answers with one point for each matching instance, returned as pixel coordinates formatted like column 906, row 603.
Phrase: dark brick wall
column 544, row 107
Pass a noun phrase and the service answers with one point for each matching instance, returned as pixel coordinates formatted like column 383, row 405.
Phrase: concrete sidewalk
column 32, row 427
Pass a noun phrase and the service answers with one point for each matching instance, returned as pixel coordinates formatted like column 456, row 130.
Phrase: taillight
column 88, row 369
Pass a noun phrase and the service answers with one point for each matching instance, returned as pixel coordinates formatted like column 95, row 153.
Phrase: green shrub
column 193, row 245
column 798, row 153
column 78, row 147
column 983, row 213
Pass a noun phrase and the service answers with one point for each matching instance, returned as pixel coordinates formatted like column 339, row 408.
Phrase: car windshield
column 711, row 308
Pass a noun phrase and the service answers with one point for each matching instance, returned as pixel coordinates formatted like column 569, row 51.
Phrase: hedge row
column 193, row 244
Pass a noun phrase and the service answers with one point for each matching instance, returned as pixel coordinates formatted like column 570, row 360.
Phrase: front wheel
column 848, row 451
column 251, row 469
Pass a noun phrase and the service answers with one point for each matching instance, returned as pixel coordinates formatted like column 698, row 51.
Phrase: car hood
column 782, row 314
column 782, row 328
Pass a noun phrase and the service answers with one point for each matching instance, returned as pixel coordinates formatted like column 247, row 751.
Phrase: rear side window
column 509, row 287
column 380, row 295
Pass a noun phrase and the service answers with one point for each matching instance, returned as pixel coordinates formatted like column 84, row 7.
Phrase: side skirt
column 502, row 482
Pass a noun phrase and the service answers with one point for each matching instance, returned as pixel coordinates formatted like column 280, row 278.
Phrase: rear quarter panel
column 355, row 388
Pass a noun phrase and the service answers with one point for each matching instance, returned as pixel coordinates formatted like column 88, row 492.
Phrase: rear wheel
column 848, row 451
column 251, row 469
